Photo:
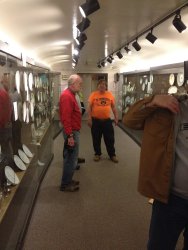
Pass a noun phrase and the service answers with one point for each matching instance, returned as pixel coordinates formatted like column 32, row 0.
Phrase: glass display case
column 26, row 143
column 168, row 79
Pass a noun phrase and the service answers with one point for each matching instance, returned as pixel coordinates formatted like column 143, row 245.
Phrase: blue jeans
column 70, row 159
column 167, row 223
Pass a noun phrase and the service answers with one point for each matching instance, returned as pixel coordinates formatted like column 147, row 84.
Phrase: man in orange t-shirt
column 101, row 102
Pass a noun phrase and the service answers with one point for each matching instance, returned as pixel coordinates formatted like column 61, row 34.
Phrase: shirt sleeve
column 66, row 109
column 5, row 108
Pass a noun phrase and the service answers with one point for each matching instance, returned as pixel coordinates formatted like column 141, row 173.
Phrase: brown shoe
column 96, row 158
column 81, row 160
column 75, row 182
column 114, row 159
column 69, row 188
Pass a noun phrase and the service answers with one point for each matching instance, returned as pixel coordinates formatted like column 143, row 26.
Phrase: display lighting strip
column 177, row 22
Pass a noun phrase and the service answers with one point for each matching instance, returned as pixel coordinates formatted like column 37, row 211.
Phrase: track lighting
column 81, row 38
column 119, row 55
column 85, row 23
column 127, row 50
column 150, row 37
column 89, row 7
column 136, row 45
column 178, row 24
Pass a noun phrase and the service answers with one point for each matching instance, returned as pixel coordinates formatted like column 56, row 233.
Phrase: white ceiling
column 44, row 30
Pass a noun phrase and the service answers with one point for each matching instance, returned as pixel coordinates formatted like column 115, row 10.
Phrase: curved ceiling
column 44, row 30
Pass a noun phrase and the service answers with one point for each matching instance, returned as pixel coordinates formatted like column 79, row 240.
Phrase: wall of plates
column 26, row 145
column 136, row 86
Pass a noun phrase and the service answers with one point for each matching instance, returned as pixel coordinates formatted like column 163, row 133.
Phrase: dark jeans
column 16, row 136
column 103, row 128
column 5, row 139
column 167, row 223
column 70, row 159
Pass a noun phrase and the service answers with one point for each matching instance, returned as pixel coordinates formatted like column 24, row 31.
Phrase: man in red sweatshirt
column 70, row 117
column 5, row 117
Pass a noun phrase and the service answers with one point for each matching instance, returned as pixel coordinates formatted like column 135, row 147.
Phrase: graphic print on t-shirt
column 103, row 102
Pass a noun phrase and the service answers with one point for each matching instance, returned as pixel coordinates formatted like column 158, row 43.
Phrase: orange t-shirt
column 101, row 104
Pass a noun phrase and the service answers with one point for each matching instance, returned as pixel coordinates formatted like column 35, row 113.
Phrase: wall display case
column 169, row 79
column 161, row 80
column 26, row 144
column 135, row 87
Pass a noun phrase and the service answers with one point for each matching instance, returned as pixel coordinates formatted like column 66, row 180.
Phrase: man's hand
column 70, row 141
column 116, row 121
column 165, row 101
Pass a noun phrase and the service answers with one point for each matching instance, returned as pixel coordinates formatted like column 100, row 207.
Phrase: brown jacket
column 157, row 148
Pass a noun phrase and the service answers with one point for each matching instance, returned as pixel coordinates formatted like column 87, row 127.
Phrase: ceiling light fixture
column 85, row 23
column 103, row 64
column 119, row 55
column 89, row 7
column 127, row 50
column 109, row 60
column 81, row 38
column 75, row 58
column 150, row 37
column 111, row 57
column 81, row 45
column 178, row 24
column 136, row 45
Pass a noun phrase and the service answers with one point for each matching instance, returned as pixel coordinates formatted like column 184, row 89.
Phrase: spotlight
column 119, row 55
column 98, row 65
column 103, row 63
column 75, row 59
column 85, row 23
column 109, row 60
column 111, row 57
column 127, row 50
column 136, row 45
column 89, row 7
column 178, row 24
column 81, row 45
column 81, row 38
column 150, row 37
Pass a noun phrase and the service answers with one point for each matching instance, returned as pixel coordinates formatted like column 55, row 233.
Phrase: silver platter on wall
column 172, row 90
column 23, row 156
column 11, row 175
column 17, row 80
column 171, row 79
column 19, row 163
column 180, row 79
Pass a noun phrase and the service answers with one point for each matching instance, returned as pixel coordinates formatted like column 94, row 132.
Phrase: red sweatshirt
column 5, row 108
column 69, row 112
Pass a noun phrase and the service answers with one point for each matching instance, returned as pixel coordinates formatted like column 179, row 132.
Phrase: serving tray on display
column 11, row 176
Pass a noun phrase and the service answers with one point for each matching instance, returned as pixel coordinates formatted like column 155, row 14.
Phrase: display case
column 158, row 80
column 26, row 142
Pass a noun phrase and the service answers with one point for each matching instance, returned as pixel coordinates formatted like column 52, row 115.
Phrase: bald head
column 74, row 83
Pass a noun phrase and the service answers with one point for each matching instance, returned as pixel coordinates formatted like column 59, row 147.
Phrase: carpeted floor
column 107, row 213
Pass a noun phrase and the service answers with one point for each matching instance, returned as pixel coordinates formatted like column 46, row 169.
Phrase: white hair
column 73, row 78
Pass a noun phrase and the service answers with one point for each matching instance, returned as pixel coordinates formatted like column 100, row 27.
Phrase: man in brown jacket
column 163, row 173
